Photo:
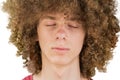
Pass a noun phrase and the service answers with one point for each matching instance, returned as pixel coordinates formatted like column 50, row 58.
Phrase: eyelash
column 51, row 25
column 72, row 26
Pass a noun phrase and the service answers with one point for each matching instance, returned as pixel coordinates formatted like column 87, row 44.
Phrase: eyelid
column 49, row 22
column 73, row 24
column 51, row 25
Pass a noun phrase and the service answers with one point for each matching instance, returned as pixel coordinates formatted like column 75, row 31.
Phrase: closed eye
column 72, row 26
column 50, row 25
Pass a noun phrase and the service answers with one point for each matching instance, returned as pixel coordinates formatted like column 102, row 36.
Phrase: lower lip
column 61, row 49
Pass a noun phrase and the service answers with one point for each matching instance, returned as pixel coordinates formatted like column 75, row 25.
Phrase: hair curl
column 96, row 15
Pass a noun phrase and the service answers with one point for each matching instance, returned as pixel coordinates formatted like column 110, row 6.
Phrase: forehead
column 60, row 15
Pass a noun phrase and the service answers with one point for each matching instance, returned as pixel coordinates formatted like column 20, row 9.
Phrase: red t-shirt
column 31, row 78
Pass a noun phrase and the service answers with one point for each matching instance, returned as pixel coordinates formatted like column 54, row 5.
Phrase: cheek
column 77, row 42
column 42, row 34
column 44, row 39
column 41, row 37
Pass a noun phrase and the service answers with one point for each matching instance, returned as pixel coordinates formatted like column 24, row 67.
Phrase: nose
column 61, row 34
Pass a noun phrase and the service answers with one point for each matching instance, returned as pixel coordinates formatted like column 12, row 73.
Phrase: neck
column 60, row 72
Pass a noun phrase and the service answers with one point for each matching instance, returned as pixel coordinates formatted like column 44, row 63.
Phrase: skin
column 61, row 39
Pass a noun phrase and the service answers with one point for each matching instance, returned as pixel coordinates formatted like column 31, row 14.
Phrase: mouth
column 60, row 49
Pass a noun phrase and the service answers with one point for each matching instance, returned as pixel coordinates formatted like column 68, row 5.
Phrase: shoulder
column 29, row 77
column 91, row 79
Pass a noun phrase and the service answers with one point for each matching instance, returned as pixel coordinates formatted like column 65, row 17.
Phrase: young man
column 63, row 39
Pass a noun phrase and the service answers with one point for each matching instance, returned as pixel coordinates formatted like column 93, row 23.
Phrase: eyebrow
column 73, row 18
column 54, row 18
column 49, row 17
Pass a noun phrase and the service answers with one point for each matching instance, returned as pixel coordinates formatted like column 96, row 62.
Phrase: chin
column 60, row 61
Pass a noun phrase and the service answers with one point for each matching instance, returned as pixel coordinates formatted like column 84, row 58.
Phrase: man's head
column 97, row 33
column 61, row 38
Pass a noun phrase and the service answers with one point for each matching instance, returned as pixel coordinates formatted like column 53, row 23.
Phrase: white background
column 11, row 66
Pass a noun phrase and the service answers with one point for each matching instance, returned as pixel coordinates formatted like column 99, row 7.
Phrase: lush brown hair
column 97, row 16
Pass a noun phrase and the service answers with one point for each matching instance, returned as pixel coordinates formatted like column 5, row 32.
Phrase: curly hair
column 98, row 17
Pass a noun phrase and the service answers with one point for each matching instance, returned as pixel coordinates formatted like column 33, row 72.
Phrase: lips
column 60, row 49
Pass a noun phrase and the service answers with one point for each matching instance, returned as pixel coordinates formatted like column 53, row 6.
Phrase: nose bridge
column 62, row 26
column 61, row 31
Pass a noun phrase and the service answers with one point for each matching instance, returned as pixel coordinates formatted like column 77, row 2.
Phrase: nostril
column 61, row 36
column 61, row 33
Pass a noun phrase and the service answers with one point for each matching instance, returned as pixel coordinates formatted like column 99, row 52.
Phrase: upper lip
column 60, row 48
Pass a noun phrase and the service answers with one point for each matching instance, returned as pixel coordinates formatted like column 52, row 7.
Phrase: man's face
column 61, row 38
